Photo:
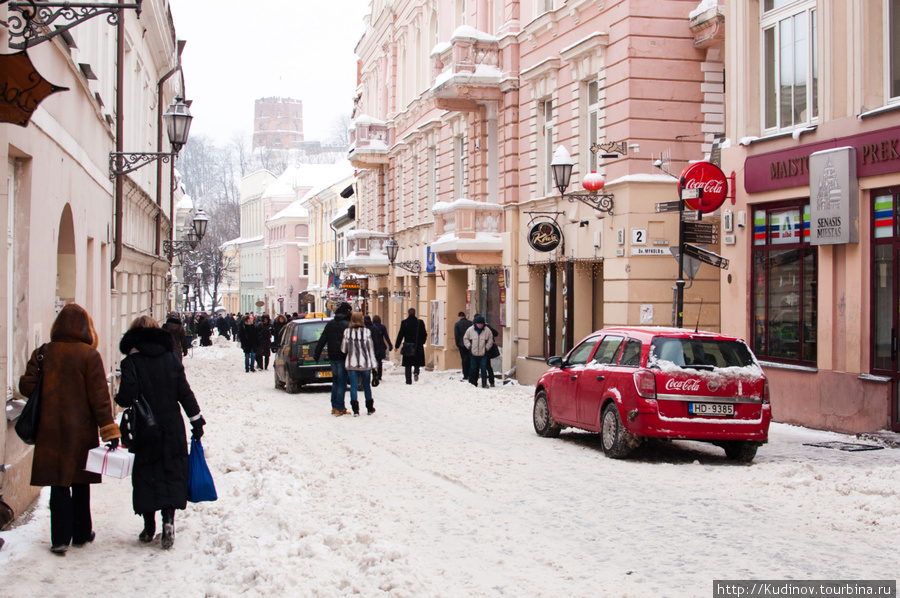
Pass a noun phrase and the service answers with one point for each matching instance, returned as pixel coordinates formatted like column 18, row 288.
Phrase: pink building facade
column 461, row 108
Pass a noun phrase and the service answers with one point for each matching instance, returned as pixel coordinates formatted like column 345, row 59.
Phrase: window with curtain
column 790, row 63
column 784, row 283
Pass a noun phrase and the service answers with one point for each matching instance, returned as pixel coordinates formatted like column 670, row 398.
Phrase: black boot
column 168, row 533
column 149, row 530
column 370, row 407
column 355, row 406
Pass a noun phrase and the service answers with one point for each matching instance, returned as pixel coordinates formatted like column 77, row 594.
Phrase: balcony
column 365, row 253
column 468, row 233
column 369, row 142
column 466, row 71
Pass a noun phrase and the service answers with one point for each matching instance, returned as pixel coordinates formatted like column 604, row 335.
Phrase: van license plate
column 323, row 374
column 718, row 409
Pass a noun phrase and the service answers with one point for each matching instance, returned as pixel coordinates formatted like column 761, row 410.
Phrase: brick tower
column 277, row 123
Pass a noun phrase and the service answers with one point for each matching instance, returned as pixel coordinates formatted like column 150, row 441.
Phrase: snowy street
column 447, row 491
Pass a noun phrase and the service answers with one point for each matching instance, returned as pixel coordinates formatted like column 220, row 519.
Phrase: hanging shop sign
column 834, row 197
column 708, row 177
column 544, row 236
column 22, row 88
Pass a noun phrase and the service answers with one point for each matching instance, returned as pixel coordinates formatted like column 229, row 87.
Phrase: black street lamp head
column 178, row 123
column 201, row 222
column 192, row 239
column 392, row 247
column 562, row 168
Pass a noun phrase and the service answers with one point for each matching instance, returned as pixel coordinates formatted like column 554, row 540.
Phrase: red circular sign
column 710, row 178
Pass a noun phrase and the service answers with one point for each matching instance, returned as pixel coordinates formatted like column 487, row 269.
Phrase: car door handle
column 601, row 378
column 573, row 377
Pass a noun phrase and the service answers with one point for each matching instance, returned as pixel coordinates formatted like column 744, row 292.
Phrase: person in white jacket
column 360, row 361
column 478, row 340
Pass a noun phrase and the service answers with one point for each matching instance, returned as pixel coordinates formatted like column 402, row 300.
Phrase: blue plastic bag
column 200, row 483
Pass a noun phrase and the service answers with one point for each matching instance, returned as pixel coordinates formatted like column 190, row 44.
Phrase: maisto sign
column 708, row 177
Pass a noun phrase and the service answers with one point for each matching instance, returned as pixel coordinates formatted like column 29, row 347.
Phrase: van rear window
column 700, row 353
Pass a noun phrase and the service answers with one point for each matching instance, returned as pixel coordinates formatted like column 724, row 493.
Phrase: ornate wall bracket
column 31, row 23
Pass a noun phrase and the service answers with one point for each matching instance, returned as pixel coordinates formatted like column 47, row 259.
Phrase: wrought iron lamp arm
column 602, row 202
column 414, row 266
column 30, row 21
column 133, row 161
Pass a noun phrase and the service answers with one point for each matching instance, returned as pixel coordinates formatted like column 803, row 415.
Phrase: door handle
column 601, row 378
column 573, row 377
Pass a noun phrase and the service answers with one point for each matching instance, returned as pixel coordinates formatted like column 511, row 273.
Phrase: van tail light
column 645, row 383
column 765, row 398
column 294, row 338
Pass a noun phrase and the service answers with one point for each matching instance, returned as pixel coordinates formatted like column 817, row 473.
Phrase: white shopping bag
column 117, row 463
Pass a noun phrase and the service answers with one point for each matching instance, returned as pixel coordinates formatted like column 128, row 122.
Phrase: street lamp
column 191, row 240
column 392, row 247
column 199, row 295
column 178, row 124
column 562, row 174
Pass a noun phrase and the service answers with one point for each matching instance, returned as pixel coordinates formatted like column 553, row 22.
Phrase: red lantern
column 593, row 181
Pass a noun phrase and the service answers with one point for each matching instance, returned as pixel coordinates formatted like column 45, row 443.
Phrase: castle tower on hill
column 277, row 123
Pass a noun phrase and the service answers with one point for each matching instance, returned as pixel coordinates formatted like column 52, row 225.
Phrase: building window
column 400, row 195
column 593, row 122
column 893, row 40
column 433, row 175
column 785, row 274
column 544, row 6
column 305, row 265
column 461, row 167
column 790, row 57
column 547, row 123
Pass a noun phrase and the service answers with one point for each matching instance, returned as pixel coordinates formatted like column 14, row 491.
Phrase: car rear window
column 700, row 353
column 309, row 333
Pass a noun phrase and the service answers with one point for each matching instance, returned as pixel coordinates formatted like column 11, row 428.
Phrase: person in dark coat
column 264, row 347
column 160, row 475
column 277, row 325
column 249, row 338
column 412, row 330
column 235, row 325
column 174, row 327
column 382, row 341
column 204, row 331
column 74, row 405
column 223, row 327
column 459, row 330
column 332, row 337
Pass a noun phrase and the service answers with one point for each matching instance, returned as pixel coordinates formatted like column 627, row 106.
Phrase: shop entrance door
column 886, row 295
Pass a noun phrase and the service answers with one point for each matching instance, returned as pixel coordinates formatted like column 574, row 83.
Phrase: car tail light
column 765, row 398
column 645, row 383
column 294, row 339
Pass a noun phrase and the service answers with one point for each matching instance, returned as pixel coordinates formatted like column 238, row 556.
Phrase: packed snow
column 447, row 491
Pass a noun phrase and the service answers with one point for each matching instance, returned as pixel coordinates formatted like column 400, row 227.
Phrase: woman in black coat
column 264, row 346
column 412, row 330
column 249, row 338
column 382, row 343
column 204, row 331
column 159, row 480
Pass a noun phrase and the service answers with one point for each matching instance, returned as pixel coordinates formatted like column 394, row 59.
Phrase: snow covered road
column 447, row 491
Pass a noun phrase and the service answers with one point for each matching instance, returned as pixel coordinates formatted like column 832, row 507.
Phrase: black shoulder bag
column 27, row 424
column 138, row 425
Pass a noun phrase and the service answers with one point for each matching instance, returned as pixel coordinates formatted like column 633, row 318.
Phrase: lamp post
column 191, row 240
column 392, row 247
column 199, row 293
column 593, row 182
column 178, row 124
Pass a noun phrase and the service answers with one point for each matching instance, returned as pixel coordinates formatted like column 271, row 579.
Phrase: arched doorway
column 65, row 260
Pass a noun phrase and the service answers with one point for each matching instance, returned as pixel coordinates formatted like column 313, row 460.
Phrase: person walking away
column 249, row 339
column 174, row 327
column 223, row 327
column 332, row 338
column 459, row 330
column 204, row 331
column 74, row 404
column 160, row 477
column 478, row 340
column 264, row 348
column 235, row 326
column 493, row 352
column 382, row 341
column 412, row 331
column 360, row 361
column 277, row 325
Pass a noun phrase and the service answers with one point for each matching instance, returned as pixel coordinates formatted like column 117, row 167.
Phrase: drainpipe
column 120, row 146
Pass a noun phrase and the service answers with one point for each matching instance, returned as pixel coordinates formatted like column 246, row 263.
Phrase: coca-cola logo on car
column 710, row 178
column 689, row 385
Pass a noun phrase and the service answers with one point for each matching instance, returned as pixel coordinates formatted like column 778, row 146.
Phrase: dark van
column 294, row 363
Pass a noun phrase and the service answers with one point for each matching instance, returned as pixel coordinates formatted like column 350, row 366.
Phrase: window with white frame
column 305, row 265
column 543, row 6
column 433, row 175
column 790, row 69
column 893, row 40
column 593, row 122
column 400, row 194
column 547, row 123
column 461, row 167
column 416, row 208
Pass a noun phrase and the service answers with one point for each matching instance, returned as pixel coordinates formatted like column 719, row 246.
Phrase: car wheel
column 291, row 386
column 741, row 451
column 617, row 442
column 278, row 383
column 544, row 424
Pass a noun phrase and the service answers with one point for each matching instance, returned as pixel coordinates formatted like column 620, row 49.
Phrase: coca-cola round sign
column 710, row 178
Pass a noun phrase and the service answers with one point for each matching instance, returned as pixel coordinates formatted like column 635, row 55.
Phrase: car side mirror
column 555, row 362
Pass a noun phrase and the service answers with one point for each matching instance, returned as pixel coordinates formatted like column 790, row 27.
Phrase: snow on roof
column 469, row 32
column 295, row 210
column 185, row 203
column 283, row 186
column 703, row 7
column 324, row 176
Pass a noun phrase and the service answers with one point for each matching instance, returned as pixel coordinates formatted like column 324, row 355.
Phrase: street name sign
column 708, row 257
column 668, row 206
column 701, row 232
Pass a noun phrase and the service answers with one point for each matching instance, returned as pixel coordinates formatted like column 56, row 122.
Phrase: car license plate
column 323, row 374
column 718, row 409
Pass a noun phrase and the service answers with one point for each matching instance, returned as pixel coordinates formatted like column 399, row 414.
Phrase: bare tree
column 340, row 131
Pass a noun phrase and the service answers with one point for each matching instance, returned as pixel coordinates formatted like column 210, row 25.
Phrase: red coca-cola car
column 631, row 383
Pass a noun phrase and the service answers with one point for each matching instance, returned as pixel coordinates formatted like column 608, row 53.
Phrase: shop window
column 790, row 63
column 785, row 271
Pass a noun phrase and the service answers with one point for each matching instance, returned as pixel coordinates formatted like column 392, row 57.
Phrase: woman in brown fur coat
column 74, row 404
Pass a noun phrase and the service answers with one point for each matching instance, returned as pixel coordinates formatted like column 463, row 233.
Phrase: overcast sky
column 237, row 53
